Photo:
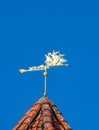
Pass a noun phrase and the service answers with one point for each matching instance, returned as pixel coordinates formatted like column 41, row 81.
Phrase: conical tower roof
column 44, row 115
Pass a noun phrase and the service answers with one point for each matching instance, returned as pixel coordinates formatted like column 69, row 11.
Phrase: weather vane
column 53, row 59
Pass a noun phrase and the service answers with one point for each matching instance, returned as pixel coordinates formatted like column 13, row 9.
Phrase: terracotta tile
column 39, row 128
column 34, row 128
column 51, row 128
column 23, row 127
column 43, row 115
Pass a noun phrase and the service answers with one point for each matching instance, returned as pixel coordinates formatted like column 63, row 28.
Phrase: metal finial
column 54, row 59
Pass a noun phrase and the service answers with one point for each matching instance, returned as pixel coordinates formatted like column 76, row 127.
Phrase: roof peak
column 44, row 115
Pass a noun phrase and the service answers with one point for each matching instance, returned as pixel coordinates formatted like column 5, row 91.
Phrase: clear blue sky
column 30, row 29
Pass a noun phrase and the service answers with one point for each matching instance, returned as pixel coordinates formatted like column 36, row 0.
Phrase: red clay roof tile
column 44, row 115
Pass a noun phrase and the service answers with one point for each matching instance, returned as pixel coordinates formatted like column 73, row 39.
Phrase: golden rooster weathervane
column 53, row 59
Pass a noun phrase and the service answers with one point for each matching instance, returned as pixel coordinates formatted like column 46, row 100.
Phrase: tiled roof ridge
column 54, row 109
column 44, row 115
column 29, row 116
column 47, row 115
column 33, row 120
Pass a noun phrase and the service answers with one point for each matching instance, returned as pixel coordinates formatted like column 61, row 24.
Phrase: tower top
column 53, row 59
column 43, row 115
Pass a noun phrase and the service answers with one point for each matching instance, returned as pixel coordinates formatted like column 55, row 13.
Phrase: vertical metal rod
column 45, row 87
column 45, row 82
